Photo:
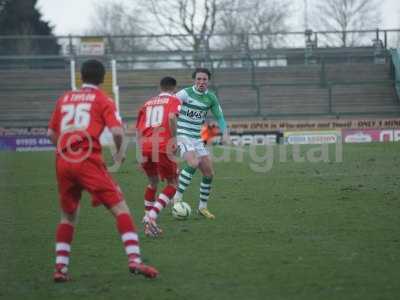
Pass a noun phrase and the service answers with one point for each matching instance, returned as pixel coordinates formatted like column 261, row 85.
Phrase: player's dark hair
column 93, row 71
column 168, row 83
column 201, row 70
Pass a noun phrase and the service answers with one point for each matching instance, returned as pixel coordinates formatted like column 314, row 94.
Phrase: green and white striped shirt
column 194, row 109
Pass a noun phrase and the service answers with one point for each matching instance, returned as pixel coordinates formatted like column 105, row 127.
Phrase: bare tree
column 269, row 19
column 188, row 26
column 251, row 25
column 2, row 5
column 258, row 18
column 119, row 23
column 233, row 25
column 397, row 42
column 192, row 22
column 345, row 15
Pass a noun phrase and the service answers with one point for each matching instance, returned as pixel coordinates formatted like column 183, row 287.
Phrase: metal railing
column 162, row 46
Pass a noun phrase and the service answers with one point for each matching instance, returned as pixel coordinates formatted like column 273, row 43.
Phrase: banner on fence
column 25, row 139
column 242, row 126
column 271, row 138
column 92, row 46
column 312, row 137
column 367, row 135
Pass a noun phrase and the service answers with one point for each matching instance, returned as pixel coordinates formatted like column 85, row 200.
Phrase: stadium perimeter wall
column 244, row 126
column 245, row 132
column 318, row 131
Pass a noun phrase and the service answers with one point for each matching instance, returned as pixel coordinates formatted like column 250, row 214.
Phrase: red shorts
column 160, row 166
column 90, row 175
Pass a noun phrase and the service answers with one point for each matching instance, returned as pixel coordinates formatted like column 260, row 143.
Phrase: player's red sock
column 163, row 199
column 149, row 198
column 64, row 236
column 129, row 236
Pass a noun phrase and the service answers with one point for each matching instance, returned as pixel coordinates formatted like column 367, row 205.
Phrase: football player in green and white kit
column 197, row 100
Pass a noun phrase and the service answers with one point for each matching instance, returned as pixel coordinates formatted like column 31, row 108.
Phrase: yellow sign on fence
column 92, row 46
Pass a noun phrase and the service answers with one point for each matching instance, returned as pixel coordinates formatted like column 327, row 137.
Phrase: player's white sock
column 149, row 198
column 162, row 201
column 205, row 188
column 202, row 204
column 177, row 197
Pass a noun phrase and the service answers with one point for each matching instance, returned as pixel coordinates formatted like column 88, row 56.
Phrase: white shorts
column 186, row 144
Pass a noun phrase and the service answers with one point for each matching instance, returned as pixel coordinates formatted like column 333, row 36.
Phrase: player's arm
column 53, row 136
column 114, row 123
column 218, row 114
column 53, row 127
column 139, row 138
column 118, row 137
column 172, row 127
column 172, row 124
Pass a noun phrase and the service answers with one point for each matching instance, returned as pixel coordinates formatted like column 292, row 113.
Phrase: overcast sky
column 72, row 16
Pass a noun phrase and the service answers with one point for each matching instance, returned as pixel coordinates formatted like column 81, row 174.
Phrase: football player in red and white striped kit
column 75, row 127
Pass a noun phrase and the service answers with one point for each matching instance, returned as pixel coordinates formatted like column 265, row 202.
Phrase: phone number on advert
column 32, row 142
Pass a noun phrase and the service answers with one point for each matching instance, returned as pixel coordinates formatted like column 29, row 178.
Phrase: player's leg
column 129, row 236
column 150, row 226
column 168, row 170
column 150, row 193
column 186, row 174
column 98, row 182
column 70, row 195
column 188, row 153
column 150, row 169
column 164, row 198
column 206, row 168
column 64, row 237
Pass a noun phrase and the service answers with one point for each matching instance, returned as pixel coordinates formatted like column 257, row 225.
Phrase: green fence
column 244, row 43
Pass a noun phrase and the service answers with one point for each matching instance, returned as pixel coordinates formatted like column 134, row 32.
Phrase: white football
column 181, row 210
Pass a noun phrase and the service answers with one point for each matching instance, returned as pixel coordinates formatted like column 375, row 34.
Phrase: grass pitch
column 302, row 230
